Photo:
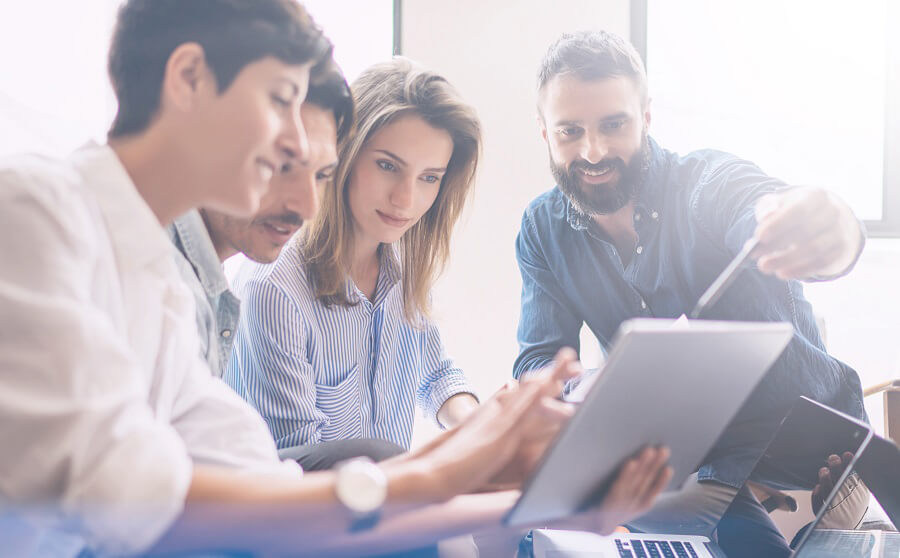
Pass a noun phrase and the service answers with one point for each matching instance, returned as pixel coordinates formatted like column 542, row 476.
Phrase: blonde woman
column 336, row 341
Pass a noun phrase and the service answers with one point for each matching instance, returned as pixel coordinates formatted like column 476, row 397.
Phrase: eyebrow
column 567, row 123
column 405, row 164
column 615, row 116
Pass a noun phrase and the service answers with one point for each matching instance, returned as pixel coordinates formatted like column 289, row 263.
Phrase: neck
column 158, row 174
column 224, row 248
column 619, row 226
column 365, row 256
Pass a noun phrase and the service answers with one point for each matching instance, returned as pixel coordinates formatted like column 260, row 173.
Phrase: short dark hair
column 232, row 33
column 330, row 91
column 591, row 55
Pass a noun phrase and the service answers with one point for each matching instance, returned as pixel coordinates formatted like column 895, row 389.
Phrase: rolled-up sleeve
column 440, row 379
column 270, row 366
column 77, row 434
column 547, row 322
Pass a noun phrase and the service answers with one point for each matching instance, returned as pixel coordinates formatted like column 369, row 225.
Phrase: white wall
column 54, row 93
column 490, row 51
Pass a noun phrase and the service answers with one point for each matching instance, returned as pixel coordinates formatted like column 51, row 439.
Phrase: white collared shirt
column 105, row 403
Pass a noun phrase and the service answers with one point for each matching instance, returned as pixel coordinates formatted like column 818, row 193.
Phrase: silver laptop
column 654, row 389
column 550, row 543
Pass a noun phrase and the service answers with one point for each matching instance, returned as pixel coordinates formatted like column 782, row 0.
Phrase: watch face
column 361, row 486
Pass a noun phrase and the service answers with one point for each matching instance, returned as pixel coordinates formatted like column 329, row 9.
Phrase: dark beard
column 603, row 199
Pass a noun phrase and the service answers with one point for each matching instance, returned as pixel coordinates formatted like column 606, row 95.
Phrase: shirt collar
column 137, row 237
column 197, row 246
column 390, row 264
column 389, row 273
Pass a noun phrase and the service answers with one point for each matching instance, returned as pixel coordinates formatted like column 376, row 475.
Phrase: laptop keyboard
column 654, row 549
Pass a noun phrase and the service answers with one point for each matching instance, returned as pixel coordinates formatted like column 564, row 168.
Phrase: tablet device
column 807, row 436
column 801, row 445
column 661, row 385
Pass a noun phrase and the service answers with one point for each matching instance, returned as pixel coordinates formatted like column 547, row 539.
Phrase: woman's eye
column 431, row 179
column 386, row 165
column 280, row 101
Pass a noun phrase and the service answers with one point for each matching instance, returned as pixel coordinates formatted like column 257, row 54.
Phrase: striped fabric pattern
column 318, row 373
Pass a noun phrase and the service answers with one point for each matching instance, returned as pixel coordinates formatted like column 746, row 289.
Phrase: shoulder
column 43, row 179
column 705, row 166
column 551, row 203
column 42, row 193
column 545, row 211
column 284, row 280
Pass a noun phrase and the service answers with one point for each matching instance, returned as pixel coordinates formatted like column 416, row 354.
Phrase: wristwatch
column 361, row 487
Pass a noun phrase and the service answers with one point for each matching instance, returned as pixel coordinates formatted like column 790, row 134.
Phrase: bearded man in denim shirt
column 633, row 230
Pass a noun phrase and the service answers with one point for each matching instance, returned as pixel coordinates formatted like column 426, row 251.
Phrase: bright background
column 800, row 92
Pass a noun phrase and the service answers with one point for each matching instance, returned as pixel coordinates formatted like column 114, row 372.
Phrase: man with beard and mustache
column 633, row 230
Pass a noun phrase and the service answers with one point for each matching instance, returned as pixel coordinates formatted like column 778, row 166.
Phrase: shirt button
column 643, row 304
column 655, row 215
column 226, row 333
column 639, row 249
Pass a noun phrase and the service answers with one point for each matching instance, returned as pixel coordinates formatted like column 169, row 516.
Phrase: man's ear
column 542, row 126
column 647, row 113
column 187, row 78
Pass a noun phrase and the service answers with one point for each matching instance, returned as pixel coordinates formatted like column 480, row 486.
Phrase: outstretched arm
column 225, row 509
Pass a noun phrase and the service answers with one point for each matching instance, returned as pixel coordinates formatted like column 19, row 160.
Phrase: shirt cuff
column 452, row 382
column 864, row 233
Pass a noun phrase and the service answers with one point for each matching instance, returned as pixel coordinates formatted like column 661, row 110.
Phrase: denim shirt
column 692, row 215
column 218, row 309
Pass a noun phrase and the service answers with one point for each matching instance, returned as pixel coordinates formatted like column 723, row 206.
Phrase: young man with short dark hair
column 633, row 230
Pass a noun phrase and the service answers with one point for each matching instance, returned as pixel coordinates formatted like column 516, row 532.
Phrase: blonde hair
column 384, row 93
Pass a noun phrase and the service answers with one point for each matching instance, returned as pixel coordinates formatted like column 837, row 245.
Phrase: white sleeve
column 76, row 430
column 220, row 428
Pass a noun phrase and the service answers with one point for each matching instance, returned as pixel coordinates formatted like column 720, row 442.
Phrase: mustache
column 581, row 164
column 287, row 219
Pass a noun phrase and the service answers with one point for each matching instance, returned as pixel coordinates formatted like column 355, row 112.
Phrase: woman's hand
column 503, row 439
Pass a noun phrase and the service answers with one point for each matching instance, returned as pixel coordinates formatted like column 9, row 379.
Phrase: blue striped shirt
column 319, row 373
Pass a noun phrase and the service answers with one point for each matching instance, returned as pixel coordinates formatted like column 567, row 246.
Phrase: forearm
column 456, row 409
column 226, row 510
column 466, row 514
